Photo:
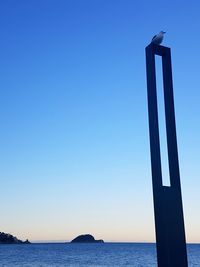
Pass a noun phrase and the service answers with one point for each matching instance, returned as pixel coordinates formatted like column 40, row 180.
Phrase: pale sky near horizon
column 74, row 143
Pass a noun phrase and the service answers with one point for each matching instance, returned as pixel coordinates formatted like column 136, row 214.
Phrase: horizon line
column 111, row 241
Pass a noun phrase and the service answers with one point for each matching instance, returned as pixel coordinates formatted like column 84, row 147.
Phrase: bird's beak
column 164, row 32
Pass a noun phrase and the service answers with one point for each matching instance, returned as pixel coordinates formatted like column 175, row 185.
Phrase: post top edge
column 152, row 45
column 159, row 50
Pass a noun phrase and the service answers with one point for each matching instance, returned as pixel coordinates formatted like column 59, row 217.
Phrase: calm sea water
column 109, row 254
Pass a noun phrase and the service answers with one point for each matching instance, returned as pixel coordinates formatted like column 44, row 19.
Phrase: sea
column 107, row 254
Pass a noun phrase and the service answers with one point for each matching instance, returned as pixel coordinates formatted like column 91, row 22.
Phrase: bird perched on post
column 157, row 39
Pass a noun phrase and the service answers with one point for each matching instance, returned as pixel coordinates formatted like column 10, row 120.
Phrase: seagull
column 157, row 39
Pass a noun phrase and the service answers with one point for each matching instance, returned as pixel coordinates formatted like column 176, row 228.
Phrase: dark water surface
column 108, row 254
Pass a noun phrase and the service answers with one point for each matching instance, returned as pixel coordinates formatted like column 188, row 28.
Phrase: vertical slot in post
column 162, row 122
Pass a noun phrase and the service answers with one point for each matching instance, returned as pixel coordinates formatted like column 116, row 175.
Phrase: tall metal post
column 168, row 210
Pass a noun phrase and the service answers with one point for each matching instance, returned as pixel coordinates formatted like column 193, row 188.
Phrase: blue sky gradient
column 74, row 144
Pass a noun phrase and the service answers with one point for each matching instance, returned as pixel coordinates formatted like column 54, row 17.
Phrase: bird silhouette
column 158, row 38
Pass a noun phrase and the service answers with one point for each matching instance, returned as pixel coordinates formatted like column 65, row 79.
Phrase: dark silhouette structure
column 10, row 239
column 169, row 221
column 86, row 239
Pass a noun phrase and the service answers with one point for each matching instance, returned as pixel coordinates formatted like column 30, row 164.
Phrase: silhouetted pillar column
column 168, row 210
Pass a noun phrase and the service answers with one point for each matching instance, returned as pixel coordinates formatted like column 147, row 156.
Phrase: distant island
column 10, row 239
column 86, row 239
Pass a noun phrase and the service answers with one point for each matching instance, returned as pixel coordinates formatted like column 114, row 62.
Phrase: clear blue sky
column 74, row 144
